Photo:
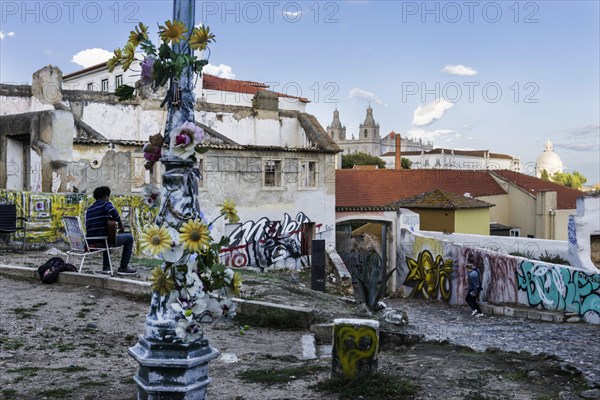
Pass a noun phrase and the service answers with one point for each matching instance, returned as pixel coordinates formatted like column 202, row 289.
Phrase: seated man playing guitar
column 98, row 217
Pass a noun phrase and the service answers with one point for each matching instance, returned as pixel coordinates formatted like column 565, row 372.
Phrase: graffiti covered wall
column 44, row 212
column 272, row 244
column 434, row 269
column 262, row 244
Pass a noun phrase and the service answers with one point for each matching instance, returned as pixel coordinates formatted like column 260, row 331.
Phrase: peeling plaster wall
column 584, row 233
column 234, row 174
column 20, row 105
column 435, row 270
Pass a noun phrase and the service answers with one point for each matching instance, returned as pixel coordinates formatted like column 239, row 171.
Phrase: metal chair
column 80, row 246
column 8, row 223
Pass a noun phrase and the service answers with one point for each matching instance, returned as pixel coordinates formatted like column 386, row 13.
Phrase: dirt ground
column 69, row 342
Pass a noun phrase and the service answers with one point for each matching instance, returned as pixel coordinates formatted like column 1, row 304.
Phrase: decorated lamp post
column 192, row 287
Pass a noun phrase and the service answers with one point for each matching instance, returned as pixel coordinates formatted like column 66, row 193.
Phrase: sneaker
column 473, row 313
column 126, row 271
column 479, row 315
column 106, row 270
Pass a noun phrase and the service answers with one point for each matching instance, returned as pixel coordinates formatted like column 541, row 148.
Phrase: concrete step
column 523, row 312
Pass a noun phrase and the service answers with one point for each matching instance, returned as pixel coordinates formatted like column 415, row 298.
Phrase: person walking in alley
column 96, row 224
column 474, row 280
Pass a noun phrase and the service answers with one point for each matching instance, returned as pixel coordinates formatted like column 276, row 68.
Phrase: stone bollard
column 355, row 347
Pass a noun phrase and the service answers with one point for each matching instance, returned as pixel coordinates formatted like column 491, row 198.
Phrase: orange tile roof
column 566, row 198
column 377, row 188
column 211, row 82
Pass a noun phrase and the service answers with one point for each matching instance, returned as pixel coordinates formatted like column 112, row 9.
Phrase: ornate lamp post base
column 172, row 371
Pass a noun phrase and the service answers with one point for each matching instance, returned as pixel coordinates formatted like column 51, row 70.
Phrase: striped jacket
column 96, row 218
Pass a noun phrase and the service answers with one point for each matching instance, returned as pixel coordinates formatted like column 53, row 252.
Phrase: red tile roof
column 360, row 188
column 211, row 82
column 566, row 197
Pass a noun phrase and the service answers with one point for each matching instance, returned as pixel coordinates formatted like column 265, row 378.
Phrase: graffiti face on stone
column 355, row 348
column 429, row 276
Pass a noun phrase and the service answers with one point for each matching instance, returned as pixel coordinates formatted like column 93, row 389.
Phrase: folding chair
column 8, row 223
column 80, row 246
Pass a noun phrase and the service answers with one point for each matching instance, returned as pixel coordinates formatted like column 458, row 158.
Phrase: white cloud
column 425, row 115
column 459, row 70
column 222, row 71
column 358, row 93
column 5, row 35
column 446, row 135
column 88, row 57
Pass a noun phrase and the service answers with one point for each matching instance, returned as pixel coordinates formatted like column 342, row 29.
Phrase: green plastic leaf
column 124, row 92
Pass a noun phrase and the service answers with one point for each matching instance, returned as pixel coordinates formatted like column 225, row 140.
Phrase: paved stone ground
column 577, row 343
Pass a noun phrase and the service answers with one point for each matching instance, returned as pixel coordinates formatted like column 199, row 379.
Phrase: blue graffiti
column 557, row 288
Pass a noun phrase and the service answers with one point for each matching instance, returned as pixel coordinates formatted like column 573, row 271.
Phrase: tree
column 575, row 180
column 406, row 163
column 351, row 160
column 545, row 175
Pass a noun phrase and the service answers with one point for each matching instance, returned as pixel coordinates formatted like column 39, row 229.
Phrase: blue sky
column 503, row 76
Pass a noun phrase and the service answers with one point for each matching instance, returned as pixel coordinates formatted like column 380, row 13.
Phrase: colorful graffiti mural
column 266, row 243
column 435, row 270
column 553, row 287
column 45, row 211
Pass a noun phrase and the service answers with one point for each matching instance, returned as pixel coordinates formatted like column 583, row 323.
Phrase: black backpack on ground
column 50, row 269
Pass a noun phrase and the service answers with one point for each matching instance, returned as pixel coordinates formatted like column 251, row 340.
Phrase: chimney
column 398, row 163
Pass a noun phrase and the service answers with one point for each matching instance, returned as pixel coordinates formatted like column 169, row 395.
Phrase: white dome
column 548, row 160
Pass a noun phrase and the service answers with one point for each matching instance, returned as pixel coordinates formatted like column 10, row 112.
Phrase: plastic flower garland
column 160, row 64
column 198, row 288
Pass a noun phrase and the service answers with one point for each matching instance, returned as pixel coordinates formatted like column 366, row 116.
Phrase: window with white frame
column 90, row 87
column 308, row 174
column 272, row 173
column 515, row 232
column 105, row 85
column 118, row 81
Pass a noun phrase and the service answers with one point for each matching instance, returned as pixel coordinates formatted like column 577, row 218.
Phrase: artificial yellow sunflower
column 140, row 34
column 236, row 283
column 155, row 240
column 201, row 37
column 161, row 282
column 172, row 32
column 228, row 209
column 194, row 236
column 129, row 55
column 115, row 60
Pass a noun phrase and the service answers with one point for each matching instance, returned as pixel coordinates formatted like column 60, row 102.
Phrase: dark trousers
column 125, row 240
column 472, row 302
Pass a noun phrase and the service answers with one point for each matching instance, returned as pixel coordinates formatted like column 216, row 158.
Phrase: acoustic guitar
column 111, row 226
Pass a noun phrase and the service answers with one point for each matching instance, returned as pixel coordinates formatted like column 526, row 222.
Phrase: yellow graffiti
column 46, row 210
column 354, row 345
column 432, row 276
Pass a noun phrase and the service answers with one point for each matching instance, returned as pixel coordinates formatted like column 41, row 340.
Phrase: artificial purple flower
column 195, row 130
column 147, row 65
column 183, row 139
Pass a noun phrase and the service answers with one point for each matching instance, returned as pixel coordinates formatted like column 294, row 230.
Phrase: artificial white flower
column 188, row 331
